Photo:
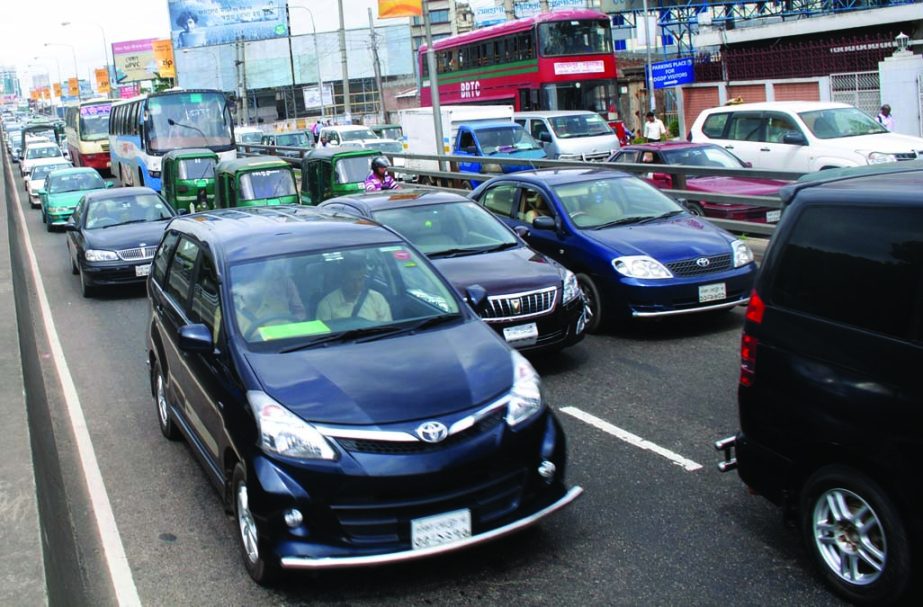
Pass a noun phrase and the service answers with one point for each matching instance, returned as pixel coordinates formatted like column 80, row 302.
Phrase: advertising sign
column 312, row 96
column 57, row 89
column 163, row 56
column 207, row 22
column 127, row 92
column 672, row 73
column 102, row 80
column 134, row 61
column 491, row 12
column 73, row 87
column 399, row 8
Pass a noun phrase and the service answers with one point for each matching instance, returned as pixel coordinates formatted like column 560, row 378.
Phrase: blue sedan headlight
column 640, row 266
column 571, row 288
column 742, row 253
column 526, row 395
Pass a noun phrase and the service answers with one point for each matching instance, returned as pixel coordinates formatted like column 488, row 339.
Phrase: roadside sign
column 672, row 73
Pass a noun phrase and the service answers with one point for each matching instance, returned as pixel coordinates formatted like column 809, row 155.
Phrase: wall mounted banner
column 134, row 61
column 73, row 87
column 57, row 89
column 208, row 22
column 399, row 8
column 102, row 80
column 163, row 56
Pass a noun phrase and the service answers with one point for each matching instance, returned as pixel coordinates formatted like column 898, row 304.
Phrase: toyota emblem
column 516, row 305
column 702, row 262
column 432, row 432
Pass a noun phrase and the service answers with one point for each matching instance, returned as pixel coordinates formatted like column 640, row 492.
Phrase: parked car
column 359, row 136
column 388, row 131
column 248, row 135
column 35, row 180
column 63, row 190
column 188, row 178
column 343, row 433
column 336, row 171
column 636, row 252
column 532, row 301
column 829, row 401
column 705, row 155
column 254, row 181
column 802, row 136
column 112, row 236
column 570, row 135
column 291, row 139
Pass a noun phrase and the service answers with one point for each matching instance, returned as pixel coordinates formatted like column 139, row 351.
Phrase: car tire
column 48, row 226
column 253, row 549
column 74, row 269
column 86, row 289
column 595, row 309
column 164, row 417
column 847, row 548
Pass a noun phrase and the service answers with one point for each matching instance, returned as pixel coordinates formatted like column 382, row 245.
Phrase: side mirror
column 662, row 178
column 41, row 191
column 748, row 164
column 521, row 231
column 544, row 223
column 70, row 226
column 182, row 211
column 476, row 296
column 544, row 137
column 794, row 138
column 195, row 338
column 109, row 184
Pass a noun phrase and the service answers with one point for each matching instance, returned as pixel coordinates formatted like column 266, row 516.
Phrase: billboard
column 102, row 80
column 163, row 56
column 492, row 12
column 134, row 61
column 312, row 97
column 399, row 8
column 207, row 22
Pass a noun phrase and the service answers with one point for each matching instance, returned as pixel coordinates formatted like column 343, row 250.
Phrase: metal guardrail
column 447, row 179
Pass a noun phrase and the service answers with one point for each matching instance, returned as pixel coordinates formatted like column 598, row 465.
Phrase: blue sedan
column 636, row 252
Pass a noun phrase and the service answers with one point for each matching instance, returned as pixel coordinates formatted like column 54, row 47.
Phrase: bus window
column 574, row 38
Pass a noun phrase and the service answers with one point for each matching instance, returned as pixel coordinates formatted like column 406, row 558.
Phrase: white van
column 570, row 135
column 802, row 136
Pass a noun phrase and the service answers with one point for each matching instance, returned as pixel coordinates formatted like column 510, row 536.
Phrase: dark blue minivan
column 349, row 405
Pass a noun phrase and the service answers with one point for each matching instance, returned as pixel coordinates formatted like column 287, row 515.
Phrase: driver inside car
column 353, row 298
column 268, row 297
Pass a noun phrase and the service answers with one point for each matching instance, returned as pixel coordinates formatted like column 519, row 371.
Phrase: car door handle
column 729, row 147
column 764, row 149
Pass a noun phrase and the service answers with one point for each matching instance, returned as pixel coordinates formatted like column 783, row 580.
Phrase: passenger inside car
column 534, row 206
column 354, row 298
column 264, row 294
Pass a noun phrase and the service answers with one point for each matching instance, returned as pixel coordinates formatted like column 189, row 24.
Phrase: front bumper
column 561, row 328
column 105, row 273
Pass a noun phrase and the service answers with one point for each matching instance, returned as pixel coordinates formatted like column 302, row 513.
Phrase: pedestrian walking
column 885, row 117
column 654, row 130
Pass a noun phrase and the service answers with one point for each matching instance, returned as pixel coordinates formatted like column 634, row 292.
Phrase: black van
column 831, row 408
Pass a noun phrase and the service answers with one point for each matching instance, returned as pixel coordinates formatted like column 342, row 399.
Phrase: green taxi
column 333, row 171
column 188, row 179
column 254, row 181
column 62, row 191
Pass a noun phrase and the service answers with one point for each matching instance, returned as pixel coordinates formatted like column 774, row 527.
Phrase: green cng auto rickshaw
column 329, row 172
column 254, row 181
column 188, row 179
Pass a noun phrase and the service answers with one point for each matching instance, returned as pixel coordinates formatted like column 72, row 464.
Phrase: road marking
column 117, row 562
column 632, row 439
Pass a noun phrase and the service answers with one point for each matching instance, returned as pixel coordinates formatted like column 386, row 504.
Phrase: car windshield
column 42, row 170
column 44, row 151
column 841, row 122
column 186, row 120
column 268, row 183
column 390, row 132
column 74, row 182
column 294, row 140
column 197, row 168
column 357, row 135
column 120, row 210
column 254, row 138
column 455, row 228
column 574, row 38
column 702, row 157
column 613, row 201
column 94, row 122
column 505, row 140
column 353, row 170
column 579, row 125
column 304, row 299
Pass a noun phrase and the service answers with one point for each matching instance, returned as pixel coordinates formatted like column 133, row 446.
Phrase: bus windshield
column 94, row 122
column 186, row 120
column 560, row 38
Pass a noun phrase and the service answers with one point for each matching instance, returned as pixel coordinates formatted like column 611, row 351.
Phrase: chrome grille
column 905, row 156
column 520, row 305
column 483, row 425
column 137, row 254
column 693, row 267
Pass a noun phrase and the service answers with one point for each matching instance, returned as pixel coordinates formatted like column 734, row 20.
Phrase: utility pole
column 543, row 6
column 433, row 85
column 510, row 11
column 243, row 61
column 347, row 110
column 291, row 64
column 647, row 66
column 376, row 63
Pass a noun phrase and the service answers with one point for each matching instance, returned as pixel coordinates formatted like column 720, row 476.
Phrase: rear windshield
column 579, row 125
column 74, row 182
column 269, row 183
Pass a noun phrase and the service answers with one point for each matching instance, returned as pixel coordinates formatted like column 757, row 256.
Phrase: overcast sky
column 25, row 27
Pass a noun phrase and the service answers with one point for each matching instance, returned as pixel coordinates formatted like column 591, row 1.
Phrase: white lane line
column 117, row 562
column 632, row 439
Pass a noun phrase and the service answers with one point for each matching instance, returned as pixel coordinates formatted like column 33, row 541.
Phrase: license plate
column 773, row 216
column 521, row 333
column 143, row 270
column 712, row 292
column 440, row 529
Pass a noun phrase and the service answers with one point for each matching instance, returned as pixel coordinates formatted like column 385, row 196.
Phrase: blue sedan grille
column 697, row 267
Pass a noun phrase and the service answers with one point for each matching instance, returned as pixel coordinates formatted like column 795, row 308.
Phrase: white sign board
column 312, row 96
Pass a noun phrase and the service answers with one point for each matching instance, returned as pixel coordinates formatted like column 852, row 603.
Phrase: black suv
column 831, row 409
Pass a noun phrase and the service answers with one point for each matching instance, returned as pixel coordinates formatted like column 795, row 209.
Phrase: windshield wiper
column 619, row 222
column 453, row 253
column 125, row 223
column 662, row 216
column 341, row 336
column 172, row 122
column 419, row 325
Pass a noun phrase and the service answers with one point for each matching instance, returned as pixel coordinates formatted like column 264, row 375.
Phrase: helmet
column 380, row 162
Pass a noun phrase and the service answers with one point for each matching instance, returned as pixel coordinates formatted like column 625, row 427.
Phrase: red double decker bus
column 561, row 60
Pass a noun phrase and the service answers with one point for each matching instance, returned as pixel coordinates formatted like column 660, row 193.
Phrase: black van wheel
column 594, row 304
column 855, row 535
column 164, row 418
column 253, row 549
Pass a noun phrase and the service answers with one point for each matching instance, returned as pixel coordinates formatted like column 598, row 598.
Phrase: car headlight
column 283, row 433
column 60, row 210
column 881, row 157
column 743, row 254
column 526, row 394
column 571, row 288
column 99, row 255
column 640, row 266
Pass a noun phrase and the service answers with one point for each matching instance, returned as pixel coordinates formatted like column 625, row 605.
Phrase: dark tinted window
column 858, row 266
column 500, row 199
column 179, row 279
column 206, row 306
column 746, row 127
column 714, row 125
column 162, row 258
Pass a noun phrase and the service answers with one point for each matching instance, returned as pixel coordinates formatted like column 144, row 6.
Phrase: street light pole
column 320, row 80
column 76, row 71
column 291, row 62
column 647, row 66
column 110, row 67
column 347, row 110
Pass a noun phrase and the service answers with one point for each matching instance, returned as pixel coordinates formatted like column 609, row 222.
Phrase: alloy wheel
column 849, row 536
column 248, row 531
